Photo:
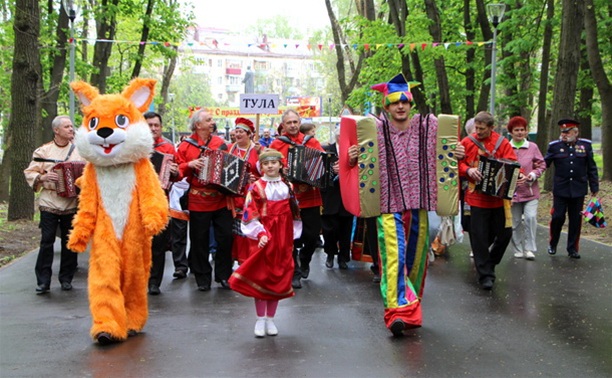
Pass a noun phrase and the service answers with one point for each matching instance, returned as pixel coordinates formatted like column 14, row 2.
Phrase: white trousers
column 524, row 223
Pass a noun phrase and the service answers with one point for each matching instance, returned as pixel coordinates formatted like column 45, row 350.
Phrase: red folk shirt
column 307, row 196
column 201, row 197
column 163, row 145
column 471, row 159
column 251, row 156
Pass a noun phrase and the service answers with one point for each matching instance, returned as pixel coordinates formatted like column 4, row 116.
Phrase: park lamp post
column 69, row 7
column 495, row 13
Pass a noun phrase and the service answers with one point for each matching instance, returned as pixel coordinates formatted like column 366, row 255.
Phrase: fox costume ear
column 140, row 92
column 85, row 92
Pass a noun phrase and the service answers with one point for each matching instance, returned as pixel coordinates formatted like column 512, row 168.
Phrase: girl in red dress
column 271, row 216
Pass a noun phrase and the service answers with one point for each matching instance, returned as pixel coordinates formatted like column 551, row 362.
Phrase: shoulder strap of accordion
column 482, row 147
column 283, row 138
column 43, row 160
column 69, row 152
column 497, row 144
column 306, row 139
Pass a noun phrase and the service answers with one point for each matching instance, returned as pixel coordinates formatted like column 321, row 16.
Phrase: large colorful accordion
column 499, row 177
column 359, row 185
column 447, row 168
column 68, row 172
column 310, row 166
column 161, row 163
column 229, row 173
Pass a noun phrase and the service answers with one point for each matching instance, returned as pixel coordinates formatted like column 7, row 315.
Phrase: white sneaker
column 260, row 327
column 472, row 254
column 518, row 255
column 529, row 255
column 271, row 329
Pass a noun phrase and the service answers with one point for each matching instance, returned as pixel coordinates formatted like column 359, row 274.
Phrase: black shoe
column 42, row 289
column 397, row 327
column 179, row 274
column 66, row 286
column 376, row 278
column 296, row 283
column 342, row 265
column 305, row 272
column 132, row 333
column 105, row 338
column 329, row 263
column 551, row 250
column 487, row 283
column 225, row 284
column 154, row 290
column 574, row 255
column 204, row 287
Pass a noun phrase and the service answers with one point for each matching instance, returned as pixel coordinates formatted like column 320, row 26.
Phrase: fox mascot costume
column 121, row 206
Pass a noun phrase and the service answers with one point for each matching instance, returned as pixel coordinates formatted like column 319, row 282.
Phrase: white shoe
column 271, row 329
column 518, row 255
column 529, row 255
column 472, row 254
column 260, row 327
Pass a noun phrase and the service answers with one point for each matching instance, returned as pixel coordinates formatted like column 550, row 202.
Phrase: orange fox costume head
column 114, row 131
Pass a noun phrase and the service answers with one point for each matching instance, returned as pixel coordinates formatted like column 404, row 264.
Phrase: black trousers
column 337, row 232
column 311, row 229
column 178, row 237
column 68, row 263
column 371, row 243
column 159, row 246
column 573, row 207
column 199, row 233
column 489, row 239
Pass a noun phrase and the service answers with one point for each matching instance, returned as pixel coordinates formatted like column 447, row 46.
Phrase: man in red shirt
column 309, row 197
column 207, row 205
column 489, row 232
column 161, row 241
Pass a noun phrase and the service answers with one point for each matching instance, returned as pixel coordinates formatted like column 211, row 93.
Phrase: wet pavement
column 550, row 317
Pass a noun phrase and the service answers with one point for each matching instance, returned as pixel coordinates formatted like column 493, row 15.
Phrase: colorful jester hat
column 397, row 89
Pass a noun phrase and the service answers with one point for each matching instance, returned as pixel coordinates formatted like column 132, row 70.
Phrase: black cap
column 568, row 123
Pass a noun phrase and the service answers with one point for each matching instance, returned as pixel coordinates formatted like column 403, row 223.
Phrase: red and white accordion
column 161, row 163
column 68, row 172
column 499, row 177
column 229, row 173
column 310, row 166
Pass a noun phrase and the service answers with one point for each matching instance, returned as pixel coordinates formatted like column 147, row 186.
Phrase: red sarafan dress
column 268, row 271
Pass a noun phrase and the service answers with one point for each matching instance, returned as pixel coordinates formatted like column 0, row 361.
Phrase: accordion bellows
column 68, row 172
column 229, row 173
column 363, row 181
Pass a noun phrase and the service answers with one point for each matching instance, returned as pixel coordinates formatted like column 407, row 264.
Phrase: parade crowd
column 260, row 242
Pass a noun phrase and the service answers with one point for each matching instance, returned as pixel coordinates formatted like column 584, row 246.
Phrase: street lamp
column 68, row 4
column 227, row 130
column 496, row 13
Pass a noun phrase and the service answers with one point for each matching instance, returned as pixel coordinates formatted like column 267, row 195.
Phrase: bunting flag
column 320, row 46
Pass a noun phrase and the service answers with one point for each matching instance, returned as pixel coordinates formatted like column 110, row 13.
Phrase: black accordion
column 227, row 172
column 499, row 177
column 310, row 166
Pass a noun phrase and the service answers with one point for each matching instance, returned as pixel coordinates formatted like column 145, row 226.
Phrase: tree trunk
column 544, row 135
column 487, row 34
column 585, row 102
column 56, row 74
column 25, row 107
column 106, row 23
column 166, row 79
column 144, row 37
column 435, row 29
column 603, row 86
column 568, row 65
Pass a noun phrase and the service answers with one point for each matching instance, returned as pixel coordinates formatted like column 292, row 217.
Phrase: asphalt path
column 545, row 318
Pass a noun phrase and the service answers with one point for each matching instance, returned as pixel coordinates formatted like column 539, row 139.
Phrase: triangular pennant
column 446, row 45
column 423, row 45
column 412, row 46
